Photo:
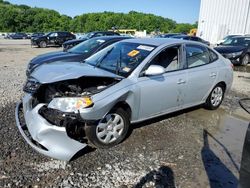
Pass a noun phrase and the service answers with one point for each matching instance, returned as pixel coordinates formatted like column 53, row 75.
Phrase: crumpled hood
column 229, row 49
column 59, row 71
column 54, row 56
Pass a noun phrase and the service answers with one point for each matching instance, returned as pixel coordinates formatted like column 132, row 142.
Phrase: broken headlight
column 31, row 86
column 70, row 104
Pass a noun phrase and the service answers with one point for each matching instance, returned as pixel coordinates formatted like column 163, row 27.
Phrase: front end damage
column 49, row 117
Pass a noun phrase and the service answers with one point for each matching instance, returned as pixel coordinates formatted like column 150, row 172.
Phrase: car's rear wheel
column 110, row 130
column 215, row 98
column 43, row 44
column 245, row 60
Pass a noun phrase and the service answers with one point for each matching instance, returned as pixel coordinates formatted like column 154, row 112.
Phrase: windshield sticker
column 147, row 48
column 101, row 41
column 133, row 53
column 126, row 69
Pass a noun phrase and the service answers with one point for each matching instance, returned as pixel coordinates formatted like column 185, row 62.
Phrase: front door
column 163, row 93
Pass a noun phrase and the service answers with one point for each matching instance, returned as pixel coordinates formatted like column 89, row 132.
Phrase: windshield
column 121, row 58
column 89, row 35
column 86, row 46
column 50, row 34
column 234, row 42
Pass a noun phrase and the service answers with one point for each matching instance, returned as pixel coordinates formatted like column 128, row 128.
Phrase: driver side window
column 169, row 59
column 53, row 35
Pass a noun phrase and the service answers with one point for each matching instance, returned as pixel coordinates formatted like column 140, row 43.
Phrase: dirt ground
column 191, row 148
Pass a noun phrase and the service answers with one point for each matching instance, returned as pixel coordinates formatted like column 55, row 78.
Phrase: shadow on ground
column 162, row 178
column 218, row 174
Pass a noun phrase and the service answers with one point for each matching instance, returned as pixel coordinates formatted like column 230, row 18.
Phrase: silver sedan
column 68, row 106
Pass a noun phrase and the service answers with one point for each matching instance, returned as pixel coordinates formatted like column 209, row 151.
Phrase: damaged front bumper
column 43, row 136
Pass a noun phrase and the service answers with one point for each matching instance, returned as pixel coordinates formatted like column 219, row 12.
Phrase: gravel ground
column 169, row 151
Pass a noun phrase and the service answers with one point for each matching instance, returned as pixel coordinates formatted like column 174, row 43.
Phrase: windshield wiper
column 99, row 61
column 118, row 64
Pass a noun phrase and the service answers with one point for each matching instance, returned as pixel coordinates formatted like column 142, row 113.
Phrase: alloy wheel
column 110, row 128
column 245, row 59
column 217, row 96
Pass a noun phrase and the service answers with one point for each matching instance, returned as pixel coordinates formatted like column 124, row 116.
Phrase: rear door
column 62, row 37
column 202, row 73
column 52, row 38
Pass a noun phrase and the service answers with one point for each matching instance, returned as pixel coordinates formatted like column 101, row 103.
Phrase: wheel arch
column 125, row 106
column 222, row 83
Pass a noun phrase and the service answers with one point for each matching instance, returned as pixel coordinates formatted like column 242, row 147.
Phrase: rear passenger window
column 213, row 56
column 197, row 55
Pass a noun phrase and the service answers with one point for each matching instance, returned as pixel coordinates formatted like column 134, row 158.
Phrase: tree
column 22, row 18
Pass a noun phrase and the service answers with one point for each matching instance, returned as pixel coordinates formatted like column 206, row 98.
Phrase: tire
column 215, row 98
column 42, row 44
column 245, row 60
column 106, row 138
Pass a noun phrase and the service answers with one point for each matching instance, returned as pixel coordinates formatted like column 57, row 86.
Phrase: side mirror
column 154, row 70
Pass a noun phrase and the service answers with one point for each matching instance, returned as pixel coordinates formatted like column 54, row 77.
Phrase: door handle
column 181, row 81
column 213, row 74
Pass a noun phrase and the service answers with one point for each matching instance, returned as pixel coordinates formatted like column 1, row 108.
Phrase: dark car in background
column 76, row 54
column 227, row 38
column 69, row 44
column 18, row 36
column 100, row 34
column 237, row 49
column 52, row 39
column 168, row 35
column 39, row 34
column 192, row 38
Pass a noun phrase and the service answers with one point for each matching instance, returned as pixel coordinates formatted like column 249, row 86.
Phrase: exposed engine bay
column 77, row 88
column 85, row 86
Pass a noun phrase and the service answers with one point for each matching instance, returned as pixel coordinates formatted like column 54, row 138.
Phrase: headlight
column 31, row 86
column 70, row 104
column 233, row 55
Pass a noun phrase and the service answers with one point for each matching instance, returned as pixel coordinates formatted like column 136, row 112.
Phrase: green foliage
column 184, row 28
column 22, row 18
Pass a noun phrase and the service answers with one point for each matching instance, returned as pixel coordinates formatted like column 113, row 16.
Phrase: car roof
column 154, row 41
column 102, row 32
column 237, row 37
column 112, row 37
column 172, row 34
column 180, row 36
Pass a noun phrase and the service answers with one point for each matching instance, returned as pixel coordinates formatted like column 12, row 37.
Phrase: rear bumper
column 44, row 137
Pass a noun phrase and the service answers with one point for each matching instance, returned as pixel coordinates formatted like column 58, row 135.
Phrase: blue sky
column 182, row 11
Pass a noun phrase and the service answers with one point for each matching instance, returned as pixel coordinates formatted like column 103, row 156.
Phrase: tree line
column 22, row 18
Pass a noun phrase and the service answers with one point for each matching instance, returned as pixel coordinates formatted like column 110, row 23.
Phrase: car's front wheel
column 215, row 98
column 110, row 130
column 245, row 60
column 43, row 44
